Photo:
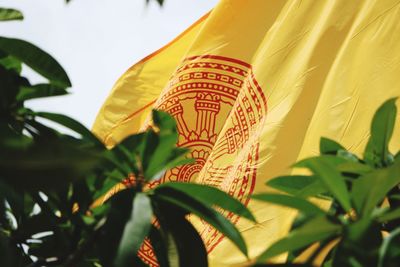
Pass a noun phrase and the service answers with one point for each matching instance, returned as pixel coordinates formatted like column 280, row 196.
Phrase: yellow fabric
column 323, row 67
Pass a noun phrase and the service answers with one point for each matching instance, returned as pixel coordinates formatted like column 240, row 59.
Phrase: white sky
column 96, row 41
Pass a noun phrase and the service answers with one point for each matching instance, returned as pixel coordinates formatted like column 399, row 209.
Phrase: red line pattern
column 205, row 93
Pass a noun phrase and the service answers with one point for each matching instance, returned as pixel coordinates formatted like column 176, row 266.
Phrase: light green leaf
column 317, row 229
column 10, row 14
column 354, row 167
column 328, row 146
column 299, row 185
column 324, row 167
column 369, row 190
column 377, row 150
column 300, row 204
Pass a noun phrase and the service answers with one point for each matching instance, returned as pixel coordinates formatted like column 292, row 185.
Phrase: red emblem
column 219, row 108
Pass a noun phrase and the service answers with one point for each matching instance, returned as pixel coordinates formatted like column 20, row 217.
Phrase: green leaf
column 37, row 59
column 369, row 190
column 324, row 167
column 377, row 149
column 191, row 205
column 157, row 154
column 111, row 180
column 328, row 146
column 300, row 204
column 165, row 122
column 299, row 185
column 210, row 196
column 71, row 124
column 11, row 63
column 160, row 152
column 39, row 90
column 136, row 229
column 354, row 167
column 113, row 158
column 178, row 157
column 317, row 229
column 348, row 156
column 10, row 14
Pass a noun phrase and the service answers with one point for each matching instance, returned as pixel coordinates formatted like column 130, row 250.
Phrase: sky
column 96, row 41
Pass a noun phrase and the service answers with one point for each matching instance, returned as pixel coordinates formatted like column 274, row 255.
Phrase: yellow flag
column 253, row 86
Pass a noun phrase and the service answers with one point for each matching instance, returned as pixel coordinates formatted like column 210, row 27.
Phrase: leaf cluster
column 362, row 225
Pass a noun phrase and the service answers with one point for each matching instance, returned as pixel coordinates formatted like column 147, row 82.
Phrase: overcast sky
column 96, row 41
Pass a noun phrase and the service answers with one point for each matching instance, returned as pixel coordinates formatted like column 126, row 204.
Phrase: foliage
column 361, row 227
column 50, row 182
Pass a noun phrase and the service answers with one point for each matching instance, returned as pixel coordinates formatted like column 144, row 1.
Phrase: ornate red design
column 219, row 108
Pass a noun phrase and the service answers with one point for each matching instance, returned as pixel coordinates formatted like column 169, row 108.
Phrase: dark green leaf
column 185, row 238
column 160, row 2
column 369, row 190
column 111, row 180
column 317, row 229
column 328, row 146
column 377, row 150
column 71, row 124
column 358, row 244
column 189, row 204
column 136, row 229
column 324, row 167
column 300, row 204
column 10, row 81
column 48, row 163
column 37, row 59
column 158, row 244
column 210, row 196
column 39, row 90
column 10, row 14
column 111, row 233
